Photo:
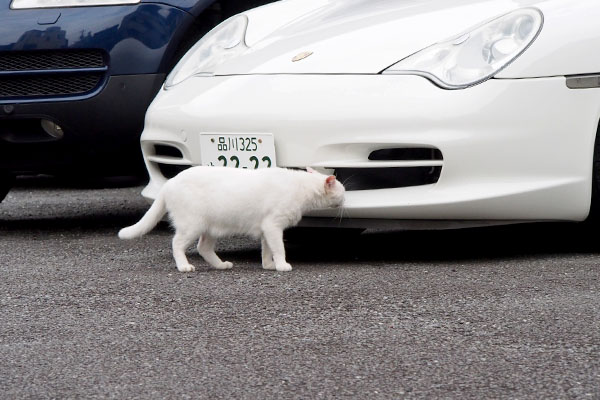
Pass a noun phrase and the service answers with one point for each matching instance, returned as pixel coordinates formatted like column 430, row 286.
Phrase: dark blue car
column 76, row 77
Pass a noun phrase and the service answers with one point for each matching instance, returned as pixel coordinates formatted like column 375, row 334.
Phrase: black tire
column 6, row 183
column 594, row 215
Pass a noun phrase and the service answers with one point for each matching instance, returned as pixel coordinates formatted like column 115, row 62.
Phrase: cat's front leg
column 273, row 235
column 267, row 255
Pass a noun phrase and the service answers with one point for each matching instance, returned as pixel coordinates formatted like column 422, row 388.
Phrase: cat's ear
column 310, row 170
column 330, row 182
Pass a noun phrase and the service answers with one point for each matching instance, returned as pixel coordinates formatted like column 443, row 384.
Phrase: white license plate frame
column 238, row 150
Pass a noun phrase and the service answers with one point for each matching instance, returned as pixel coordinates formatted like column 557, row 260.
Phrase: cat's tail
column 148, row 221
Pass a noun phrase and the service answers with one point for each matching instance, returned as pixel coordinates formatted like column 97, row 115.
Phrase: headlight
column 473, row 57
column 21, row 4
column 222, row 43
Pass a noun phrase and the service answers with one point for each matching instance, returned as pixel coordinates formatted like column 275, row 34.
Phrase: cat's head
column 333, row 190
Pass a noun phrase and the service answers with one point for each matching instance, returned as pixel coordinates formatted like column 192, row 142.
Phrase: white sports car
column 432, row 112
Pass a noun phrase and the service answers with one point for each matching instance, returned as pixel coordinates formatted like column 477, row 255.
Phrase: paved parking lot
column 493, row 313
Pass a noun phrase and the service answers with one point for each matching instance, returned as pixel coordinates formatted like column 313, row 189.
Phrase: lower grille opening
column 406, row 154
column 386, row 178
column 167, row 151
column 170, row 170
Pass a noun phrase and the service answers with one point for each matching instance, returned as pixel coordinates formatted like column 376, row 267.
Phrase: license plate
column 237, row 150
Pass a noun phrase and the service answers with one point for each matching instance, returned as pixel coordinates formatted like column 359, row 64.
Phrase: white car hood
column 354, row 36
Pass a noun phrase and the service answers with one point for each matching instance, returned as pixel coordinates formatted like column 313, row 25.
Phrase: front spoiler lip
column 403, row 224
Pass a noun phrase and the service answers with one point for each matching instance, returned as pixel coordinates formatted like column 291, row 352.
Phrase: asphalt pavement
column 511, row 312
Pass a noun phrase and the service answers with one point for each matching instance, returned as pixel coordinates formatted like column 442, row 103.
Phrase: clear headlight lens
column 225, row 41
column 24, row 4
column 473, row 57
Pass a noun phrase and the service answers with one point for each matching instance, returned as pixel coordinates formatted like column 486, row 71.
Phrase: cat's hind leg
column 206, row 248
column 273, row 235
column 181, row 241
column 267, row 255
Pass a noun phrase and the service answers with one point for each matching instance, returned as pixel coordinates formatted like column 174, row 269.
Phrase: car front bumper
column 512, row 149
column 100, row 133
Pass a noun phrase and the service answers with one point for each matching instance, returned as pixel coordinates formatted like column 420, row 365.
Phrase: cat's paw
column 285, row 267
column 269, row 265
column 186, row 268
column 224, row 265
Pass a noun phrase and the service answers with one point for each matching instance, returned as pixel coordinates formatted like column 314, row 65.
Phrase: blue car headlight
column 224, row 42
column 477, row 55
column 25, row 4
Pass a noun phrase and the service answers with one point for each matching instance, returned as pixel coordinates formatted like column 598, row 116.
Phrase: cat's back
column 236, row 179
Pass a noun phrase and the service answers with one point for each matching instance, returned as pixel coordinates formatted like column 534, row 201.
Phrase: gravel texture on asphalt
column 488, row 313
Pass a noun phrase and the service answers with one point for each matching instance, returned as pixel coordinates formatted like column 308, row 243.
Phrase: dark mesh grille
column 48, row 85
column 45, row 60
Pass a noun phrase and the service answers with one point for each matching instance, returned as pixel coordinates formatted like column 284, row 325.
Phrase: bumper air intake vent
column 167, row 151
column 389, row 168
column 46, row 75
column 168, row 159
column 49, row 60
column 53, row 85
column 406, row 154
column 387, row 178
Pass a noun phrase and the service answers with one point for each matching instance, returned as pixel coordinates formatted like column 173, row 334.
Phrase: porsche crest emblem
column 302, row 56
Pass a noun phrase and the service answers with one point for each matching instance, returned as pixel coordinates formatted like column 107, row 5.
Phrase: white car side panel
column 512, row 149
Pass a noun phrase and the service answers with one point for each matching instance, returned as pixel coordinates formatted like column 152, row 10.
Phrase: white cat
column 207, row 203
